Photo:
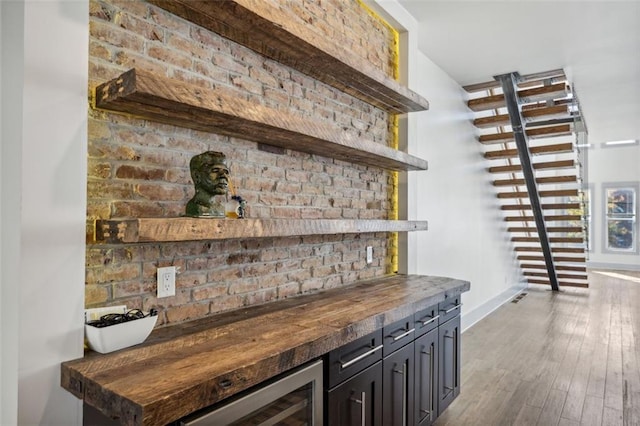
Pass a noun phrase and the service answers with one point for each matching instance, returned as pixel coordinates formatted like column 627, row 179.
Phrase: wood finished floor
column 569, row 358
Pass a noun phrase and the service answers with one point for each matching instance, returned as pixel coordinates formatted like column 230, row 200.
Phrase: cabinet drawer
column 397, row 334
column 426, row 320
column 450, row 308
column 357, row 401
column 353, row 357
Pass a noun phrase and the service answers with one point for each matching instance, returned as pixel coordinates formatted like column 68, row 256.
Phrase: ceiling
column 597, row 43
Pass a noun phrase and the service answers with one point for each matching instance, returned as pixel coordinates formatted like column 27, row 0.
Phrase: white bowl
column 119, row 336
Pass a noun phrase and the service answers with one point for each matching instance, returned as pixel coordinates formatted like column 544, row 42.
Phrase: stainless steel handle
column 405, row 334
column 398, row 371
column 430, row 321
column 452, row 309
column 360, row 357
column 430, row 410
column 363, row 409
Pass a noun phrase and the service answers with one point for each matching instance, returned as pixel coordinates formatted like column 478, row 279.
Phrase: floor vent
column 518, row 297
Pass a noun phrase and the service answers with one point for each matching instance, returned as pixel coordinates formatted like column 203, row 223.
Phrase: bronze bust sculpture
column 210, row 175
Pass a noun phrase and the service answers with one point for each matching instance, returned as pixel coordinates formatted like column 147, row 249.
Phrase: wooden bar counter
column 189, row 366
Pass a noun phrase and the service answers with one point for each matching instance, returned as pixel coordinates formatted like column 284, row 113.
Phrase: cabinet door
column 426, row 378
column 357, row 401
column 398, row 388
column 449, row 359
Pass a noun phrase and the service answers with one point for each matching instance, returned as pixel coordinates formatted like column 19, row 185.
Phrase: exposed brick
column 112, row 273
column 137, row 209
column 160, row 192
column 171, row 56
column 96, row 294
column 108, row 33
column 131, row 158
column 191, row 311
column 97, row 169
column 225, row 303
column 101, row 189
column 260, row 297
column 288, row 290
column 209, row 292
column 138, row 26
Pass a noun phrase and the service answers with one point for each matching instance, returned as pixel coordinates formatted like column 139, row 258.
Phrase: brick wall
column 138, row 168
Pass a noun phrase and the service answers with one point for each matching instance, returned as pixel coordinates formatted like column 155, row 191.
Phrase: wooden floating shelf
column 181, row 104
column 118, row 231
column 258, row 26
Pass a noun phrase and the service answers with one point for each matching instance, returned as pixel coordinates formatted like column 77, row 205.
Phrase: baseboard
column 613, row 266
column 470, row 318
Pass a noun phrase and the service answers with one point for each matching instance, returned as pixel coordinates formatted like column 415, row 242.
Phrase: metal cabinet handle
column 451, row 309
column 430, row 410
column 360, row 357
column 405, row 334
column 430, row 321
column 363, row 410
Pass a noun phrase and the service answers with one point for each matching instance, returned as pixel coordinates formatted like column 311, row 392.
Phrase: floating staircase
column 532, row 128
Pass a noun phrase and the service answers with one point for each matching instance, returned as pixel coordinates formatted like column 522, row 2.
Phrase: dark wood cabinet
column 409, row 370
column 357, row 401
column 449, row 362
column 426, row 378
column 398, row 374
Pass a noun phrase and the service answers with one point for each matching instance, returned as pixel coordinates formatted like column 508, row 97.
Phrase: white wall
column 609, row 166
column 10, row 154
column 46, row 202
column 467, row 236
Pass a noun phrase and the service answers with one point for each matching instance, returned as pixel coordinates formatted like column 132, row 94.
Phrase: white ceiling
column 597, row 43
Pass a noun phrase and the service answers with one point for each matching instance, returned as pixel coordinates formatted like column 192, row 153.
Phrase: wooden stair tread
column 560, row 283
column 549, row 229
column 525, row 80
column 115, row 231
column 553, row 249
column 550, row 218
column 547, row 165
column 557, row 90
column 537, row 132
column 177, row 103
column 558, row 267
column 255, row 25
column 534, row 150
column 551, row 239
column 550, row 206
column 543, row 194
column 539, row 180
column 555, row 258
column 528, row 114
column 544, row 274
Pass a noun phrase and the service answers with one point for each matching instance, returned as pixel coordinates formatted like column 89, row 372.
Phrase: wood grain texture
column 539, row 180
column 534, row 150
column 558, row 90
column 259, row 26
column 190, row 229
column 183, row 368
column 181, row 104
column 573, row 353
column 546, row 165
column 536, row 132
column 530, row 114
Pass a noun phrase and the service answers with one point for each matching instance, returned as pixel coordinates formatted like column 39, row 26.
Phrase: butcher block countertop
column 189, row 366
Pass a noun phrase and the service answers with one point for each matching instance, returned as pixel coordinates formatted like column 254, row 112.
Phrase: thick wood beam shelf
column 258, row 26
column 181, row 104
column 116, row 231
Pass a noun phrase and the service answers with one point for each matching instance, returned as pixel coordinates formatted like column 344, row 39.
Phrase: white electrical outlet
column 166, row 281
column 369, row 255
